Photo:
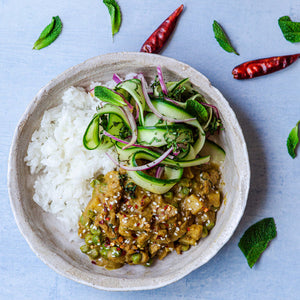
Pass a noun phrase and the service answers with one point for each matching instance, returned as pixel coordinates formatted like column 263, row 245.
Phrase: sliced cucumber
column 172, row 86
column 91, row 138
column 150, row 155
column 217, row 154
column 134, row 153
column 152, row 120
column 188, row 154
column 134, row 88
column 164, row 135
column 172, row 111
column 157, row 185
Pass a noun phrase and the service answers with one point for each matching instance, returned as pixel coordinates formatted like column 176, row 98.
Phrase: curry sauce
column 125, row 224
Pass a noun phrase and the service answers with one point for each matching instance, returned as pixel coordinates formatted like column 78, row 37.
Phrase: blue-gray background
column 267, row 108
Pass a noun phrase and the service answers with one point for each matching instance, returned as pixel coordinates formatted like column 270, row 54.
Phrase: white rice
column 63, row 168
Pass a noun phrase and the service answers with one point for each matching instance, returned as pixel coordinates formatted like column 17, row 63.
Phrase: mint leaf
column 293, row 140
column 290, row 29
column 197, row 110
column 49, row 34
column 222, row 38
column 256, row 239
column 115, row 15
column 107, row 95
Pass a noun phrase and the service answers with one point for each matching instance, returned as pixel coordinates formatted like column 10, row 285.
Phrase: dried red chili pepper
column 264, row 66
column 159, row 37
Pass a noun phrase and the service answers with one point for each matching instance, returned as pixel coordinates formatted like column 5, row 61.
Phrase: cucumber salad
column 157, row 131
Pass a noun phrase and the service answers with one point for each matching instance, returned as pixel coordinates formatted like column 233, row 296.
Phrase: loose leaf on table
column 222, row 38
column 293, row 140
column 290, row 29
column 256, row 239
column 49, row 34
column 115, row 15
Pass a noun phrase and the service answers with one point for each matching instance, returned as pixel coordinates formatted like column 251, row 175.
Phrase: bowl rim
column 66, row 269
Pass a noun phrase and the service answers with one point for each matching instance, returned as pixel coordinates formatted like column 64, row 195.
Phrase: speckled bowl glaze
column 46, row 235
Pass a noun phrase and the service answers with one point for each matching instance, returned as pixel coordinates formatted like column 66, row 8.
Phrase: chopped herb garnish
column 123, row 178
column 177, row 93
column 215, row 125
column 124, row 132
column 256, row 239
column 293, row 141
column 49, row 34
column 290, row 29
column 222, row 38
column 130, row 188
column 115, row 15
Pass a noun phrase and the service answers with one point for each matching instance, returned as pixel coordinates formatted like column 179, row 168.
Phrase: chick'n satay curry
column 123, row 223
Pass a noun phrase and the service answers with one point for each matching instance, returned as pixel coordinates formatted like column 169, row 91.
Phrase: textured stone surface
column 267, row 108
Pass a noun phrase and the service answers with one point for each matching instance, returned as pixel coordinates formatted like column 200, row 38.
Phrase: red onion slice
column 159, row 172
column 144, row 167
column 153, row 109
column 116, row 78
column 124, row 99
column 122, row 141
column 172, row 101
column 161, row 81
column 137, row 112
column 212, row 106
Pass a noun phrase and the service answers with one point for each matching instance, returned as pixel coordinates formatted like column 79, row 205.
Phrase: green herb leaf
column 115, row 15
column 197, row 110
column 293, row 140
column 290, row 29
column 49, row 34
column 215, row 125
column 130, row 188
column 222, row 38
column 256, row 239
column 107, row 95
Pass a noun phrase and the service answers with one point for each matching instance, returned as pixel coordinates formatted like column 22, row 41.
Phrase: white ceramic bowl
column 46, row 236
